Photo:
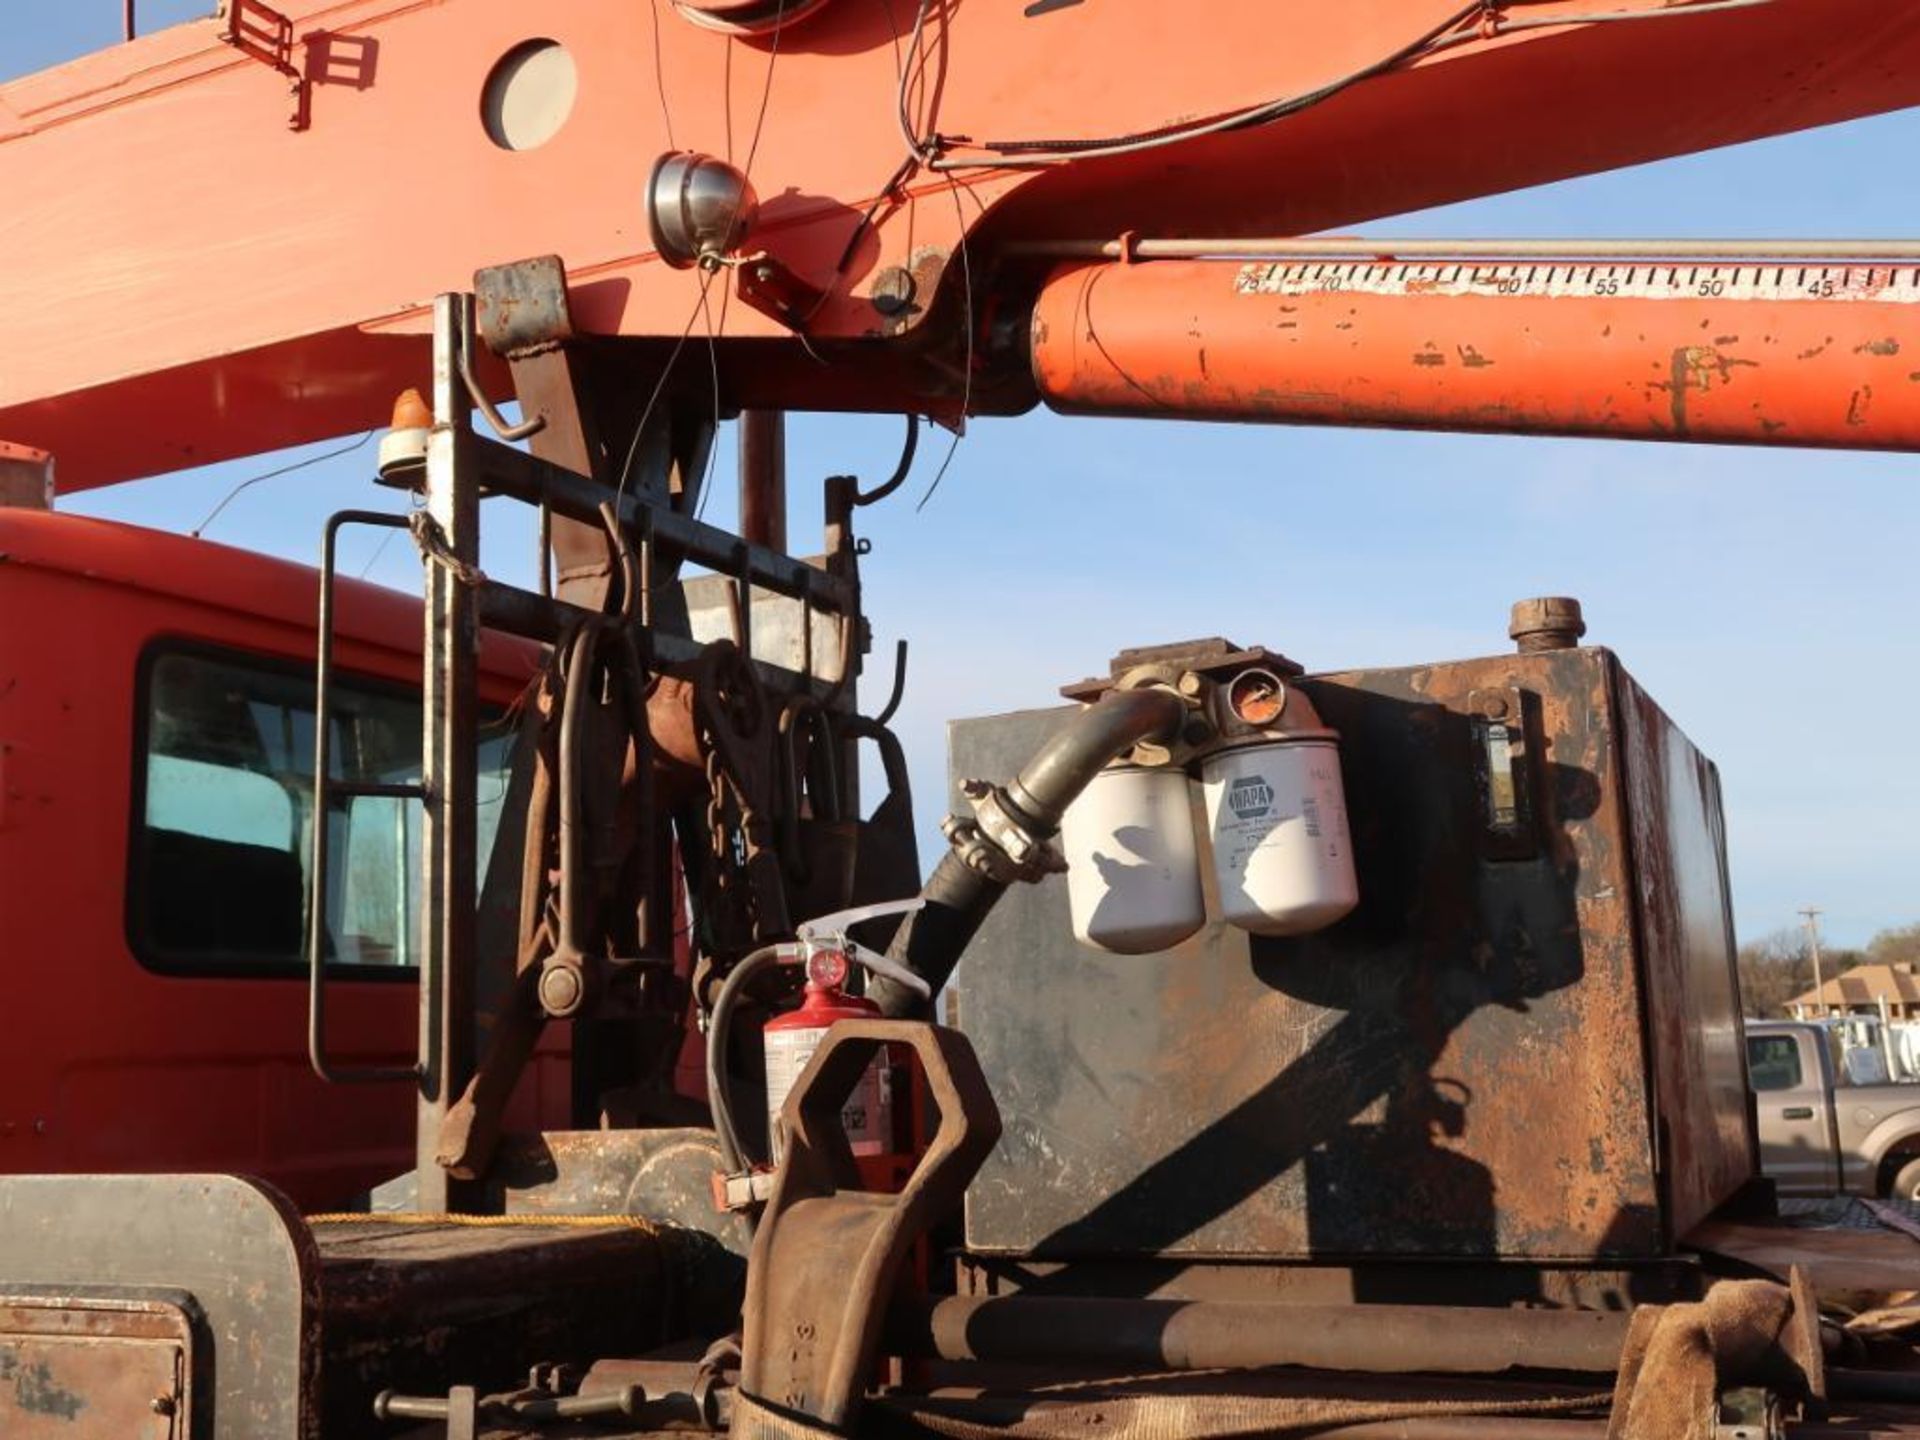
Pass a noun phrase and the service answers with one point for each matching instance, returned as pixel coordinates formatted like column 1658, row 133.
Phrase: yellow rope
column 412, row 1217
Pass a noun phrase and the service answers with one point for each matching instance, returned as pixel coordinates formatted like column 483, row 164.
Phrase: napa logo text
column 1250, row 797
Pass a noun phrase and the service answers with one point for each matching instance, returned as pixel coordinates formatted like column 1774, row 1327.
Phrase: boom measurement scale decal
column 1599, row 279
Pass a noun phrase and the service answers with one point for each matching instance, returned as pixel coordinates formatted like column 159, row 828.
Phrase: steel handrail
column 325, row 791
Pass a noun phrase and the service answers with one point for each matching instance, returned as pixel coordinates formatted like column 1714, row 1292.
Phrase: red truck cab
column 156, row 762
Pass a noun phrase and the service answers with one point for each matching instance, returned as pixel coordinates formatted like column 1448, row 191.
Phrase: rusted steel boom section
column 1785, row 353
column 220, row 267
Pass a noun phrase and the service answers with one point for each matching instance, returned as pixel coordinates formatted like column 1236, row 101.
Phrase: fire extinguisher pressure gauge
column 827, row 969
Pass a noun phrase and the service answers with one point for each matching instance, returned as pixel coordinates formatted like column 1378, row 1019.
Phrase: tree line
column 1777, row 967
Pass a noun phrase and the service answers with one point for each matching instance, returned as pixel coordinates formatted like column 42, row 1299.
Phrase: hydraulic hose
column 930, row 941
column 958, row 897
column 1067, row 763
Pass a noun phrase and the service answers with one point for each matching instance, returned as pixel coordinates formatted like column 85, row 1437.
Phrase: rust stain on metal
column 927, row 266
column 36, row 1392
column 1697, row 368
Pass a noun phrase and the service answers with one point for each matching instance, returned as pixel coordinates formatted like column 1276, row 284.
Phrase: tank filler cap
column 1546, row 622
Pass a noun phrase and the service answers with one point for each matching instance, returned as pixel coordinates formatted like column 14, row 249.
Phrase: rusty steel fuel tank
column 1524, row 1043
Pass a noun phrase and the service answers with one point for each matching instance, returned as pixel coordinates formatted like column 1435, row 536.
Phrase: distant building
column 1860, row 992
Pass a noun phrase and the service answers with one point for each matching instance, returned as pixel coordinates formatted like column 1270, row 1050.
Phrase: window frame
column 152, row 957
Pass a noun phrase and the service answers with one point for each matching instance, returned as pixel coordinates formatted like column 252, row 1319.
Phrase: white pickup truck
column 1820, row 1135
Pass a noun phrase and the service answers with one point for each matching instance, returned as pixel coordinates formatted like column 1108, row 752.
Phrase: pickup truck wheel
column 1906, row 1184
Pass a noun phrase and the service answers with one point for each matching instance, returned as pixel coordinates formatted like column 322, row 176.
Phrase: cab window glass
column 224, row 822
column 1773, row 1062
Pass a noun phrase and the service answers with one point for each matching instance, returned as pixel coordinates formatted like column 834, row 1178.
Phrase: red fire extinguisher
column 828, row 955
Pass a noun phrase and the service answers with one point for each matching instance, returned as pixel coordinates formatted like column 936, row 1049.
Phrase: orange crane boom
column 237, row 223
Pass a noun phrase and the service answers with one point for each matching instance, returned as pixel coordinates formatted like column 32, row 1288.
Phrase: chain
column 743, row 884
column 721, row 883
column 717, row 835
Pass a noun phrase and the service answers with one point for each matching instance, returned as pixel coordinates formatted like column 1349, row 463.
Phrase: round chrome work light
column 699, row 209
column 746, row 17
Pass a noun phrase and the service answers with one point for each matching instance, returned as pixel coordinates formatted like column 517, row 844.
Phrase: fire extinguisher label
column 868, row 1113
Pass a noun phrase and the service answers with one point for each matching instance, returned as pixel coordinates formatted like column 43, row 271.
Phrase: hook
column 899, row 689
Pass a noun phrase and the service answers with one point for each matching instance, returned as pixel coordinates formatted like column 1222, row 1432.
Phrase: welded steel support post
column 450, row 698
column 763, row 478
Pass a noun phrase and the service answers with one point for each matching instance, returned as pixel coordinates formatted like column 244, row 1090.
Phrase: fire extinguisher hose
column 719, row 1027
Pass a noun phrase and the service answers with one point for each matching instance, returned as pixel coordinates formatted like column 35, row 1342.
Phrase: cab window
column 223, row 820
column 1773, row 1062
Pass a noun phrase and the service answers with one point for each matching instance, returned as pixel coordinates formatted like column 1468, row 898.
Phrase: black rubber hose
column 959, row 899
column 930, row 941
column 719, row 1027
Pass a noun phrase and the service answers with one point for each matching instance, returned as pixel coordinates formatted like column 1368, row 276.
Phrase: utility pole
column 1812, row 918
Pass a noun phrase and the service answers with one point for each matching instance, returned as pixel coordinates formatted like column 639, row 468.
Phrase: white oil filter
column 1277, row 815
column 1133, row 866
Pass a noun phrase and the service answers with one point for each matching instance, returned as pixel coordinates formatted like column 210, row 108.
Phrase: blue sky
column 1765, row 598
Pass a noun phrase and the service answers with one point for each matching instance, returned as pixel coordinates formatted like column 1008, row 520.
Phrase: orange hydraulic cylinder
column 1738, row 354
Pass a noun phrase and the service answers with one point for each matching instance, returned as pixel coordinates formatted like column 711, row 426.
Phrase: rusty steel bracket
column 522, row 308
column 262, row 33
column 772, row 288
column 828, row 1253
column 26, row 477
column 1803, row 1343
column 522, row 312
